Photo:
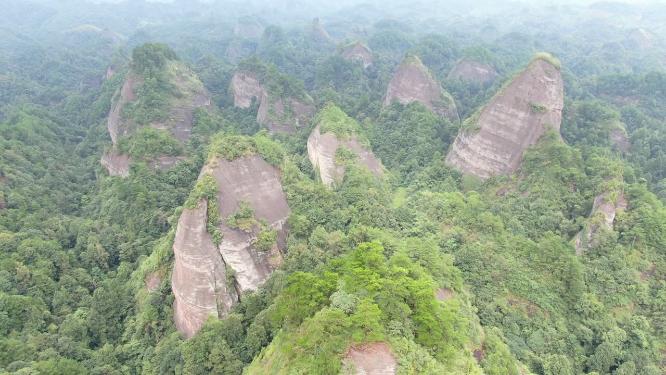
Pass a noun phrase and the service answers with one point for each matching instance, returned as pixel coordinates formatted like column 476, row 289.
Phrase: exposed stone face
column 514, row 120
column 358, row 52
column 620, row 140
column 178, row 122
column 254, row 181
column 601, row 218
column 322, row 149
column 413, row 82
column 473, row 71
column 279, row 115
column 115, row 124
column 200, row 280
column 370, row 359
column 245, row 88
column 319, row 34
column 116, row 164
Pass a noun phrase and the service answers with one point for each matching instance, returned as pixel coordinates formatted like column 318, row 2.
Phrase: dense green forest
column 441, row 271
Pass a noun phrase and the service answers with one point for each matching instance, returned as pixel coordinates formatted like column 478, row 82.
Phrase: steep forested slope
column 310, row 222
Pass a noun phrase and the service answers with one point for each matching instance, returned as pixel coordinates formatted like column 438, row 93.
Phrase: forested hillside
column 278, row 187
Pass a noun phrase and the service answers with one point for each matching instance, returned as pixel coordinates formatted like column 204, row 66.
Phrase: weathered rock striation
column 199, row 278
column 324, row 146
column 179, row 120
column 493, row 141
column 602, row 217
column 358, row 52
column 473, row 71
column 208, row 278
column 413, row 82
column 278, row 113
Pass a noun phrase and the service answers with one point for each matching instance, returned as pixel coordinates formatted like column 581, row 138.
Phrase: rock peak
column 494, row 139
column 413, row 82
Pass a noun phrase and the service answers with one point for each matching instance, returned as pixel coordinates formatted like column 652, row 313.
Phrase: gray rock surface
column 493, row 143
column 413, row 82
column 322, row 149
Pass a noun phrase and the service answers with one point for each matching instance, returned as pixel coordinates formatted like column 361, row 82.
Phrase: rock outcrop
column 199, row 278
column 179, row 120
column 493, row 141
column 370, row 359
column 116, row 164
column 319, row 34
column 357, row 52
column 619, row 138
column 324, row 146
column 208, row 278
column 602, row 217
column 278, row 113
column 473, row 71
column 413, row 82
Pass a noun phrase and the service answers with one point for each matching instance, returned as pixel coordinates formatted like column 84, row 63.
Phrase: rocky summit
column 413, row 82
column 493, row 140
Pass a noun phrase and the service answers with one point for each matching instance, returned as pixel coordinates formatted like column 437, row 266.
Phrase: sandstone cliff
column 358, row 52
column 601, row 218
column 336, row 132
column 493, row 140
column 210, row 273
column 319, row 34
column 473, row 71
column 188, row 95
column 279, row 113
column 370, row 359
column 413, row 82
column 199, row 279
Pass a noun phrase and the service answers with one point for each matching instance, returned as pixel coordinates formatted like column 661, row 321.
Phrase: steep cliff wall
column 493, row 141
column 279, row 113
column 601, row 218
column 358, row 52
column 324, row 145
column 188, row 95
column 199, row 280
column 413, row 82
column 473, row 71
column 208, row 276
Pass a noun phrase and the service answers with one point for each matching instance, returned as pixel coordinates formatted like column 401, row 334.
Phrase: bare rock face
column 116, row 164
column 473, row 71
column 370, row 359
column 322, row 150
column 208, row 278
column 115, row 124
column 178, row 122
column 358, row 52
column 602, row 217
column 199, row 278
column 319, row 34
column 493, row 141
column 278, row 114
column 619, row 139
column 413, row 82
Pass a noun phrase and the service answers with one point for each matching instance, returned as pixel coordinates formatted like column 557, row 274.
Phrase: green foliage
column 148, row 142
column 547, row 57
column 231, row 147
column 331, row 119
column 279, row 85
column 151, row 58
